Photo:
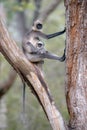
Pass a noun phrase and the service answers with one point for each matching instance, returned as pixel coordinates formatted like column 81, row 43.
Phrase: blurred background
column 19, row 16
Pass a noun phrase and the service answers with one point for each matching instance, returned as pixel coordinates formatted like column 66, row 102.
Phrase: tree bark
column 76, row 63
column 32, row 76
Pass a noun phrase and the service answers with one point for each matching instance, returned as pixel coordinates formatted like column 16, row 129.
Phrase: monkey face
column 37, row 43
column 40, row 45
column 37, row 25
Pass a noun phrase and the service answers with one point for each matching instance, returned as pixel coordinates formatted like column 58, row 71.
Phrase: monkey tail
column 24, row 87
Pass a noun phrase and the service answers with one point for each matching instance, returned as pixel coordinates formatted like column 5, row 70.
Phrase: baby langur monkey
column 34, row 49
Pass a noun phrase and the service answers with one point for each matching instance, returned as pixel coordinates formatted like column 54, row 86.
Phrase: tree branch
column 47, row 11
column 31, row 75
column 37, row 9
column 21, row 23
column 21, row 20
column 6, row 85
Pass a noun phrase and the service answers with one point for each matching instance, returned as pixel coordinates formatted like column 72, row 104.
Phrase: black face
column 39, row 26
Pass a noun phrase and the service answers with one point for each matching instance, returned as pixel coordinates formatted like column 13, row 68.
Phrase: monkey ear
column 39, row 26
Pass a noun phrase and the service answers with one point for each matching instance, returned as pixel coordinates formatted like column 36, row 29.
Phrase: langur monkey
column 34, row 48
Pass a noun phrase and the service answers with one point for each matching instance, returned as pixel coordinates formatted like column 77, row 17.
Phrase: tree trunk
column 76, row 63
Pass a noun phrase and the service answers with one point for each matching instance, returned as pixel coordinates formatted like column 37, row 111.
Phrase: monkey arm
column 52, row 56
column 49, row 36
column 55, row 34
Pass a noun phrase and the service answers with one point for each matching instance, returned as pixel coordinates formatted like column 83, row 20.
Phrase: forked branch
column 31, row 76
